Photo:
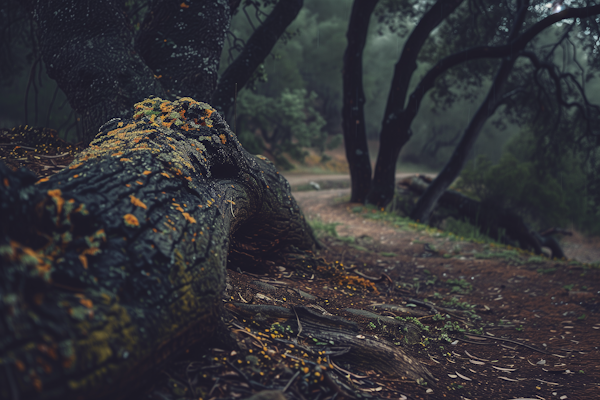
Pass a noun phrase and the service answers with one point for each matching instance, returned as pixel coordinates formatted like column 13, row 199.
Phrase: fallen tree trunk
column 499, row 223
column 118, row 261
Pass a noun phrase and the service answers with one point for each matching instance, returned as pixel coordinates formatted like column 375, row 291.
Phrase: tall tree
column 353, row 116
column 92, row 51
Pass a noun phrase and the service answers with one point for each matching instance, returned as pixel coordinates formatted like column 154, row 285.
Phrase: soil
column 501, row 323
column 492, row 322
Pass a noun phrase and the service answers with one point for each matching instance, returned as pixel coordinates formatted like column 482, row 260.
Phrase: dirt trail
column 327, row 205
column 296, row 179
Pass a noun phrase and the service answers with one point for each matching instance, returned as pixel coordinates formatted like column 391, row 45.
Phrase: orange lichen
column 87, row 303
column 46, row 179
column 146, row 172
column 6, row 183
column 189, row 218
column 223, row 138
column 139, row 183
column 137, row 202
column 131, row 220
column 165, row 175
column 56, row 195
column 183, row 5
column 20, row 366
column 73, row 166
column 83, row 260
column 51, row 352
column 36, row 381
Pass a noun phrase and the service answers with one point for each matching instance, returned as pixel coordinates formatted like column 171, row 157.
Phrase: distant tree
column 107, row 55
column 469, row 36
column 285, row 124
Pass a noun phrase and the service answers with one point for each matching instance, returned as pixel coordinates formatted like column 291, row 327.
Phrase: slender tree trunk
column 116, row 263
column 395, row 129
column 427, row 202
column 87, row 48
column 353, row 117
column 182, row 43
column 255, row 51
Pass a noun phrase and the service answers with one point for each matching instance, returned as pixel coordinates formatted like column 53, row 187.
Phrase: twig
column 344, row 371
column 425, row 304
column 299, row 325
column 292, row 379
column 510, row 341
column 213, row 388
column 370, row 278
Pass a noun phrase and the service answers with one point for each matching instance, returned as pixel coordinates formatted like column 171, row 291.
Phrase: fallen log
column 505, row 225
column 111, row 266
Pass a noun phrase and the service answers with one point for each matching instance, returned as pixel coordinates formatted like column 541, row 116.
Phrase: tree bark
column 353, row 115
column 87, row 47
column 395, row 129
column 182, row 43
column 117, row 262
column 257, row 48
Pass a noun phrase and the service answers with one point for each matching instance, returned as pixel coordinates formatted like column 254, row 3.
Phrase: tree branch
column 518, row 44
column 257, row 48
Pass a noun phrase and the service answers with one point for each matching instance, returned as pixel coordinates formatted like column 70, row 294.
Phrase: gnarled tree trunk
column 116, row 262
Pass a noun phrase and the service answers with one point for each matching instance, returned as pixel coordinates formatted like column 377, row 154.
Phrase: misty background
column 310, row 61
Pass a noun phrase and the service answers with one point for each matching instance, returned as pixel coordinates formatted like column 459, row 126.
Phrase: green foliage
column 459, row 286
column 523, row 182
column 286, row 124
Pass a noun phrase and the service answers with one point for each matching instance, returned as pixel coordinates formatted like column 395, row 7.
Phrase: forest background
column 294, row 101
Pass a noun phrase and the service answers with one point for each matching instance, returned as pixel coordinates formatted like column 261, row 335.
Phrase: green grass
column 323, row 228
column 466, row 230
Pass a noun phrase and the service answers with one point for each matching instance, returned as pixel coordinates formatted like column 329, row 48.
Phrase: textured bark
column 118, row 261
column 257, row 48
column 353, row 114
column 87, row 48
column 182, row 43
column 395, row 129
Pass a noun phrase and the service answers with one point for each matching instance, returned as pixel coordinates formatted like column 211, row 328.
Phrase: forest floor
column 493, row 322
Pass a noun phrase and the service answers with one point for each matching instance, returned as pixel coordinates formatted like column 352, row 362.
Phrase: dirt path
column 327, row 205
